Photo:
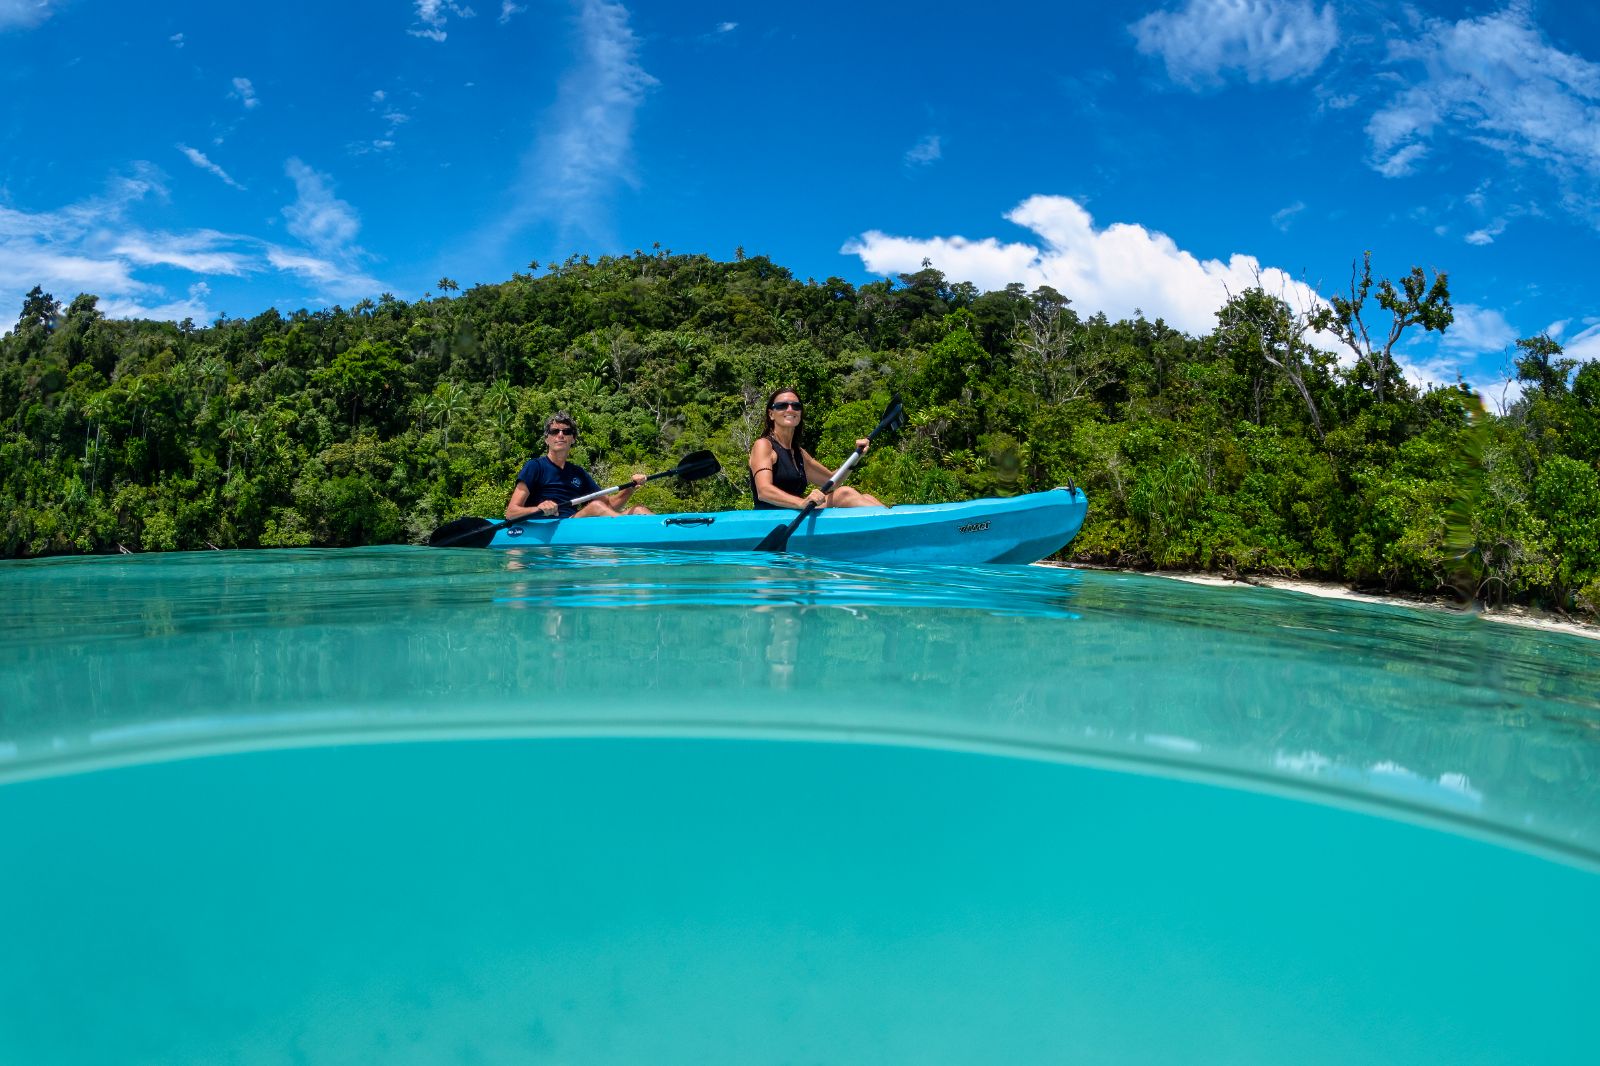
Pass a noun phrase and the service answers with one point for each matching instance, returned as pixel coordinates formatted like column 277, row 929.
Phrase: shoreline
column 1514, row 615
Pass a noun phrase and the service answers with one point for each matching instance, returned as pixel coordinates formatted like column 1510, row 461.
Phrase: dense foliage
column 1245, row 451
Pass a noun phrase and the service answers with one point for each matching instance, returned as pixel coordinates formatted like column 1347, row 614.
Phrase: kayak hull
column 1015, row 529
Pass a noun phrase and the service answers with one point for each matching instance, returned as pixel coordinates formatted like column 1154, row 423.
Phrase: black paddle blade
column 894, row 416
column 464, row 533
column 777, row 540
column 697, row 465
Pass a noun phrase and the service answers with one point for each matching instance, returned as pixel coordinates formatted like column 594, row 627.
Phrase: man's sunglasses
column 560, row 431
column 787, row 405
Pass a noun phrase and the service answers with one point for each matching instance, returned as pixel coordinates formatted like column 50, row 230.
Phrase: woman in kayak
column 780, row 470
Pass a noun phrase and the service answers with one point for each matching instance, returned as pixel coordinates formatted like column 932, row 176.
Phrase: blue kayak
column 1016, row 529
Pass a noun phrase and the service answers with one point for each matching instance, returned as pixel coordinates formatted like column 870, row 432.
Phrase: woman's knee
column 848, row 497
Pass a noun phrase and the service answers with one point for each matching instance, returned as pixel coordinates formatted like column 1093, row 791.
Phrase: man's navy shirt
column 563, row 484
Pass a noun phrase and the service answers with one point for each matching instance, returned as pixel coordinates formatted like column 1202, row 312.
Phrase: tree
column 448, row 403
column 1256, row 325
column 362, row 376
column 1416, row 303
column 1538, row 365
column 39, row 310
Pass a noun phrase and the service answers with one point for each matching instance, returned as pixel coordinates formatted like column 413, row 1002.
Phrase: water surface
column 409, row 806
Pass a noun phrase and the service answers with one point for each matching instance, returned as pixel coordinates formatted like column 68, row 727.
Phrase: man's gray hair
column 561, row 418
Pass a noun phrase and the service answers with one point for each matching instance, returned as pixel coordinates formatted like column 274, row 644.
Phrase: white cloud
column 1264, row 40
column 1120, row 269
column 97, row 246
column 586, row 145
column 318, row 217
column 337, row 280
column 24, row 14
column 245, row 93
column 378, row 96
column 1475, row 333
column 200, row 252
column 508, row 9
column 727, row 27
column 75, row 248
column 1401, row 163
column 1282, row 218
column 1496, row 81
column 177, row 40
column 198, row 158
column 1585, row 344
column 1486, row 234
column 433, row 14
column 328, row 225
column 924, row 152
column 1478, row 331
column 195, row 307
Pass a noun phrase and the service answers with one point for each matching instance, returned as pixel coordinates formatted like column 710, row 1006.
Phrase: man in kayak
column 780, row 469
column 546, row 486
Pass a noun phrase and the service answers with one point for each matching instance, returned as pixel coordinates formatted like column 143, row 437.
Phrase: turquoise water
column 635, row 807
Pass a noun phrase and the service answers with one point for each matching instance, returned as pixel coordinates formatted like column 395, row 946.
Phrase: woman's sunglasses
column 560, row 431
column 787, row 405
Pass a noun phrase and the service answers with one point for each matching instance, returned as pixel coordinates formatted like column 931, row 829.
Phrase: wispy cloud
column 1478, row 331
column 24, row 14
column 328, row 226
column 509, row 9
column 245, row 93
column 177, row 40
column 199, row 252
column 97, row 246
column 1487, row 234
column 432, row 15
column 198, row 158
column 72, row 249
column 194, row 306
column 337, row 280
column 924, row 152
column 585, row 148
column 1284, row 217
column 317, row 216
column 1207, row 41
column 1496, row 81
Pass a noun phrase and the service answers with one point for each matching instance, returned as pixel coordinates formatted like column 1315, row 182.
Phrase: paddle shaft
column 581, row 500
column 697, row 465
column 778, row 539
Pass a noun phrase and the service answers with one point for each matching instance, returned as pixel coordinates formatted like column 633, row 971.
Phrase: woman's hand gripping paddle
column 894, row 417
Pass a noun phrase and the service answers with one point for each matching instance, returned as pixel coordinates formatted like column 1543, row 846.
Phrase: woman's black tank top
column 788, row 475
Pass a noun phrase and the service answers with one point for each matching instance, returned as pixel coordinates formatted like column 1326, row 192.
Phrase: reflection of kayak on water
column 1016, row 529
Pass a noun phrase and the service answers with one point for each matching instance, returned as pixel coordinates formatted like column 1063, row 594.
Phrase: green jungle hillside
column 1242, row 451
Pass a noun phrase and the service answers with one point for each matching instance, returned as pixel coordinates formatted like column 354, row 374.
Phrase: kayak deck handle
column 701, row 520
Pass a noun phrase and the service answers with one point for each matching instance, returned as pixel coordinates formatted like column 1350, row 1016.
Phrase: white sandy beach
column 1529, row 617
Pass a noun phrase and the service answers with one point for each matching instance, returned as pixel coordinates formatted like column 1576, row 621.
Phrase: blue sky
column 195, row 159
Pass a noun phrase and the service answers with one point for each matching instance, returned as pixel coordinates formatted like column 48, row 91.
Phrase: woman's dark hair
column 766, row 430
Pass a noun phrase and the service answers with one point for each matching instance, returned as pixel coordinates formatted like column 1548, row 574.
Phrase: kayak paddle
column 894, row 417
column 478, row 532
